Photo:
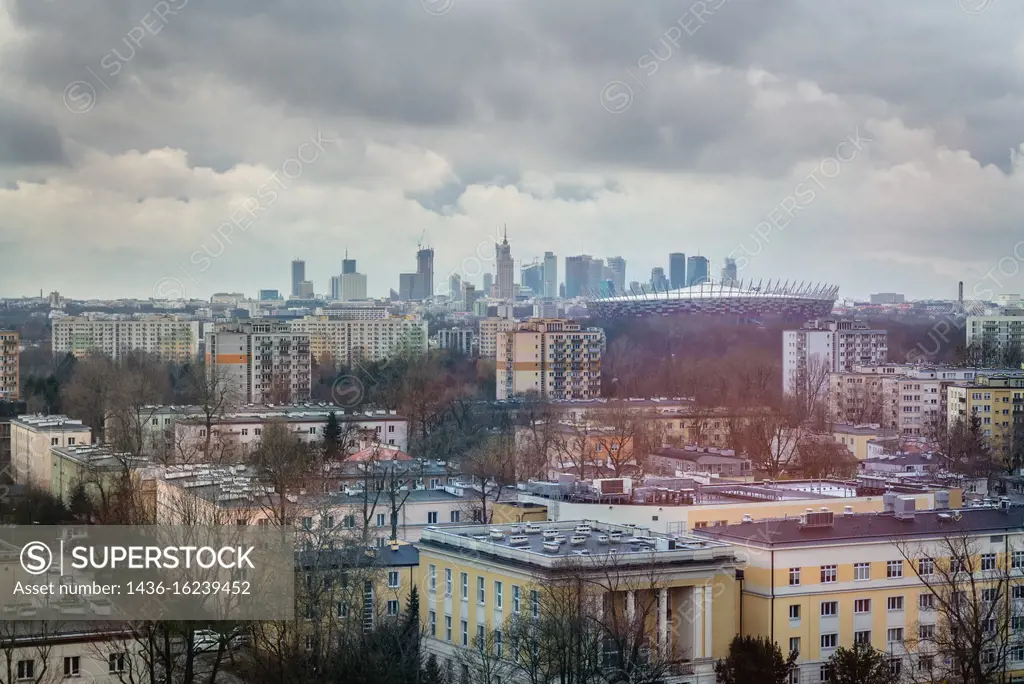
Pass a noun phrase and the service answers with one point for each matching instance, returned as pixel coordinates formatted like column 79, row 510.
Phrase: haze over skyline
column 132, row 132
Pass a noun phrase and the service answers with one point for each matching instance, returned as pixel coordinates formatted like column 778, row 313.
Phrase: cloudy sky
column 196, row 146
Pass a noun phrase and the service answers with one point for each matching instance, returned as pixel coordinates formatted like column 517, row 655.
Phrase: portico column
column 708, row 613
column 696, row 626
column 630, row 607
column 663, row 621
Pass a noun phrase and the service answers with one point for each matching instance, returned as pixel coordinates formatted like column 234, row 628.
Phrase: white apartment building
column 260, row 362
column 828, row 346
column 352, row 311
column 551, row 356
column 32, row 436
column 459, row 339
column 489, row 329
column 348, row 342
column 172, row 338
column 10, row 380
column 1001, row 330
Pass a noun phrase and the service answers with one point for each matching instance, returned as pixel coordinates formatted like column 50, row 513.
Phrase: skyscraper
column 729, row 272
column 488, row 283
column 506, row 272
column 595, row 277
column 532, row 276
column 697, row 270
column 677, row 270
column 659, row 283
column 577, row 273
column 550, row 275
column 298, row 275
column 455, row 287
column 617, row 273
column 348, row 265
column 425, row 269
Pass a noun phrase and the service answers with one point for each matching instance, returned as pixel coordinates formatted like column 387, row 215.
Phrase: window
column 71, row 666
column 862, row 606
column 990, row 595
column 27, row 669
column 1018, row 559
column 307, row 523
column 829, row 608
column 895, row 667
column 393, row 579
column 431, row 517
column 498, row 595
column 535, row 602
column 829, row 640
column 464, row 577
column 341, row 610
column 794, row 576
column 454, row 516
column 862, row 571
column 480, row 636
column 825, row 673
column 794, row 644
column 392, row 607
column 481, row 595
column 447, row 581
column 894, row 569
column 432, row 578
column 71, row 441
column 432, row 619
column 54, row 441
column 465, row 633
column 498, row 643
column 862, row 637
column 515, row 599
column 382, row 520
column 828, row 574
column 926, row 601
column 894, row 635
column 988, row 561
column 1017, row 591
column 988, row 626
column 794, row 611
column 925, row 632
column 894, row 603
column 925, row 567
column 957, row 565
column 1017, row 653
column 447, row 627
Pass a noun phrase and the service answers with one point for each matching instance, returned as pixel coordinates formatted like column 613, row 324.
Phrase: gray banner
column 147, row 573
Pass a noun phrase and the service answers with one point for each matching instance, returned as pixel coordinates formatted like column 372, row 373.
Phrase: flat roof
column 475, row 540
column 47, row 423
column 869, row 527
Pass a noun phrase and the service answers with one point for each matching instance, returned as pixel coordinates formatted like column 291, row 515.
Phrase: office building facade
column 550, row 275
column 677, row 270
column 298, row 275
column 697, row 270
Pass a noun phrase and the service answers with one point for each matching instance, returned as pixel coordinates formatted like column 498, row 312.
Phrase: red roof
column 380, row 452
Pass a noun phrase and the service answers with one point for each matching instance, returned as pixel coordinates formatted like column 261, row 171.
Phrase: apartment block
column 828, row 346
column 32, row 438
column 349, row 342
column 553, row 357
column 489, row 329
column 998, row 402
column 10, row 379
column 829, row 579
column 478, row 580
column 458, row 339
column 171, row 338
column 260, row 363
column 999, row 331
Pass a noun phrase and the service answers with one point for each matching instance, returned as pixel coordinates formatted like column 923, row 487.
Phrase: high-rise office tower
column 677, row 270
column 353, row 287
column 550, row 275
column 334, row 289
column 697, row 270
column 348, row 265
column 659, row 283
column 506, row 272
column 455, row 287
column 425, row 269
column 469, row 295
column 617, row 269
column 729, row 275
column 488, row 284
column 595, row 276
column 532, row 276
column 298, row 275
column 577, row 273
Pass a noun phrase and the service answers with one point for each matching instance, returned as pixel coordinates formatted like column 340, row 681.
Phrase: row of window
column 26, row 670
column 481, row 590
column 894, row 568
column 863, row 605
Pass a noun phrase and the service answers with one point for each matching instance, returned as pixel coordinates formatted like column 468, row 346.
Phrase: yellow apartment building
column 679, row 593
column 554, row 357
column 32, row 437
column 997, row 400
column 827, row 580
column 856, row 438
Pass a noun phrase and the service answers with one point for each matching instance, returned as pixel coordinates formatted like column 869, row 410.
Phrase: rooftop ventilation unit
column 889, row 502
column 847, row 511
column 811, row 519
column 905, row 507
column 941, row 501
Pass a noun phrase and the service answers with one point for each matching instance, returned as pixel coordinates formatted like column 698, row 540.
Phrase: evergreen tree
column 432, row 672
column 861, row 664
column 332, row 438
column 79, row 504
column 755, row 661
column 410, row 637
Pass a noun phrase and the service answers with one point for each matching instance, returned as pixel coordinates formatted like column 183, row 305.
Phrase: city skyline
column 149, row 178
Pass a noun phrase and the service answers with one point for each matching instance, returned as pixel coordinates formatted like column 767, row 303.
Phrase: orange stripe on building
column 231, row 358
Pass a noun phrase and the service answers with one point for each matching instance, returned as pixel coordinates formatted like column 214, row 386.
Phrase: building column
column 630, row 607
column 599, row 613
column 708, row 613
column 663, row 621
column 698, row 608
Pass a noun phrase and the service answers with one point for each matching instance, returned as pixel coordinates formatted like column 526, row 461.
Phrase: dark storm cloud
column 26, row 141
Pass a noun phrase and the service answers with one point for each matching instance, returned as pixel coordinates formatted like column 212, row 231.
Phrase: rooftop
column 100, row 456
column 290, row 412
column 54, row 422
column 869, row 526
column 583, row 539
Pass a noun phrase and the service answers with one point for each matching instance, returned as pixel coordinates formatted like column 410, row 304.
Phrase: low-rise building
column 709, row 461
column 461, row 340
column 856, row 437
column 32, row 438
column 480, row 581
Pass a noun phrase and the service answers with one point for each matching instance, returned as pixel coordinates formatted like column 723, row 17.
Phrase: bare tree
column 971, row 619
column 771, row 437
column 492, row 469
column 32, row 641
column 288, row 468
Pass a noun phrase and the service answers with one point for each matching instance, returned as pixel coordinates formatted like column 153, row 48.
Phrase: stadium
column 750, row 301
